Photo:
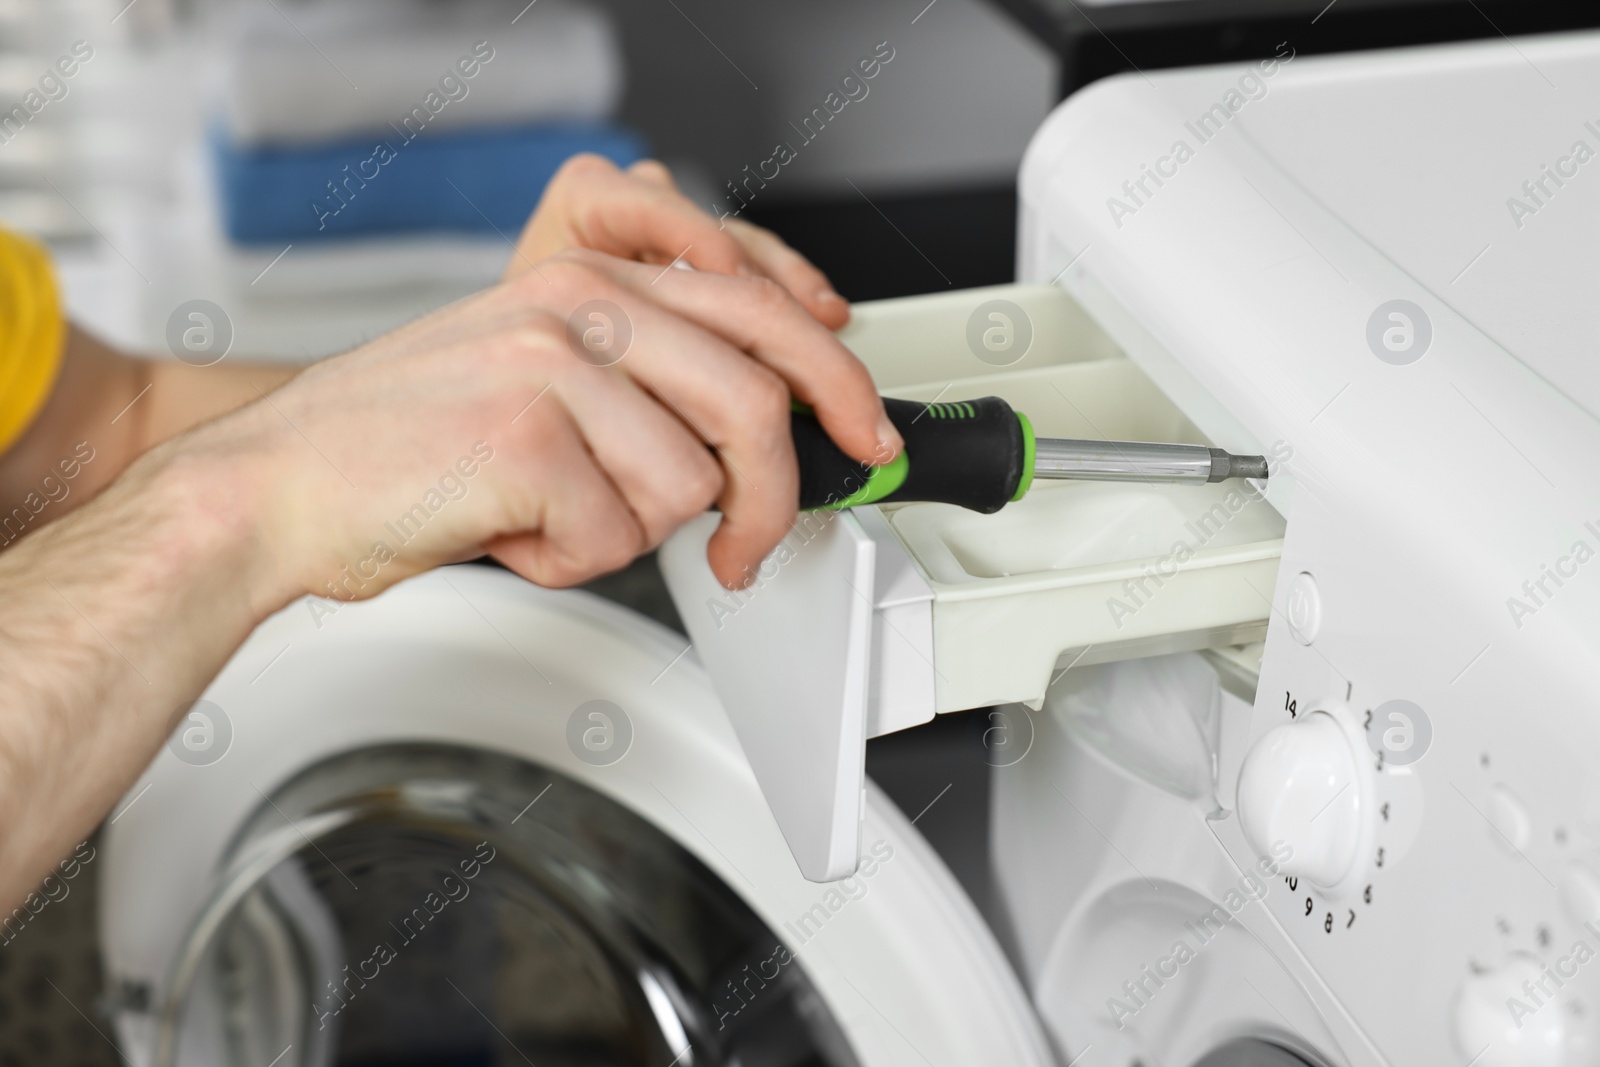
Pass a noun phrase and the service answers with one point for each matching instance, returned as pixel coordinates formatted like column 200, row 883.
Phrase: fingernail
column 827, row 296
column 889, row 440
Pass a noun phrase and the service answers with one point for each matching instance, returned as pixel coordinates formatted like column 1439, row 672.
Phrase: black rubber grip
column 972, row 453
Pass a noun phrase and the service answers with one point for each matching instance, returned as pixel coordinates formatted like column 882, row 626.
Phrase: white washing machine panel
column 1384, row 263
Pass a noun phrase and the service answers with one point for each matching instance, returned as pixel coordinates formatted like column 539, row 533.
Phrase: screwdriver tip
column 1225, row 465
column 1247, row 467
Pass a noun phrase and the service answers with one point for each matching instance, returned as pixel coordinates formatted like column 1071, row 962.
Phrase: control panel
column 1439, row 859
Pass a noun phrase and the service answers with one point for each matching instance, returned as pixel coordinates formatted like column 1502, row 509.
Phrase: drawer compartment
column 1076, row 572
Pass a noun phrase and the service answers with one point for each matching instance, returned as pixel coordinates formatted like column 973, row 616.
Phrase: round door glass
column 425, row 905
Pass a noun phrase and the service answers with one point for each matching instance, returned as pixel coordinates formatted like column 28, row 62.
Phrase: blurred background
column 181, row 160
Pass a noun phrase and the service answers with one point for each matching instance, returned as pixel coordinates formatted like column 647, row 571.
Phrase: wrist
column 206, row 513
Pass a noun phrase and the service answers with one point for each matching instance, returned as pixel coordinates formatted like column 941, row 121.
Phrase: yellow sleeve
column 32, row 332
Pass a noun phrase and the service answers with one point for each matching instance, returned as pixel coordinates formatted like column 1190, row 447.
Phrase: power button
column 1304, row 608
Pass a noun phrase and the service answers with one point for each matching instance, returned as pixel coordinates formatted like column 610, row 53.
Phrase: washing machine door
column 475, row 822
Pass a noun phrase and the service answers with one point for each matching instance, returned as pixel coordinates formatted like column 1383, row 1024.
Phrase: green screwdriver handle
column 977, row 454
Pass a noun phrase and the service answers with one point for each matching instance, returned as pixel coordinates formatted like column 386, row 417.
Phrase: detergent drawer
column 874, row 620
column 1076, row 572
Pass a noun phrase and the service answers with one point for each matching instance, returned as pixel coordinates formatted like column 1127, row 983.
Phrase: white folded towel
column 303, row 72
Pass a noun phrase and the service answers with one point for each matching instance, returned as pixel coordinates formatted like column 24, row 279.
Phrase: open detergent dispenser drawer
column 866, row 622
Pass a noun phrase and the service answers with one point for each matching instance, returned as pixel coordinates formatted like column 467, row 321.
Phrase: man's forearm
column 110, row 625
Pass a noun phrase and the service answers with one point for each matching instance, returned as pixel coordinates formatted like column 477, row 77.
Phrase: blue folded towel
column 476, row 181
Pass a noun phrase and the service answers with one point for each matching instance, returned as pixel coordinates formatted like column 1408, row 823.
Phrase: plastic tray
column 1076, row 572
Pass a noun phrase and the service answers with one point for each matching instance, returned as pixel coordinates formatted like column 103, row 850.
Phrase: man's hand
column 594, row 464
column 122, row 405
column 640, row 214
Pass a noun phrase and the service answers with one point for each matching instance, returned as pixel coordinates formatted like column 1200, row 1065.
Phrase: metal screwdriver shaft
column 1140, row 461
column 982, row 454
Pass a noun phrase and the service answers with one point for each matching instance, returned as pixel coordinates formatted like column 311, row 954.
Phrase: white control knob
column 1501, row 1018
column 1300, row 792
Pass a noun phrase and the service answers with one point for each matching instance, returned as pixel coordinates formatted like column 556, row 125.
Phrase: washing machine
column 1283, row 774
column 476, row 822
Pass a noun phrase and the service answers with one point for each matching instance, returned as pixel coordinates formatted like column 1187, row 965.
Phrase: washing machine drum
column 474, row 822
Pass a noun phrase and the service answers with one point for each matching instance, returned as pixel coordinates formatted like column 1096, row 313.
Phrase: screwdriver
column 982, row 455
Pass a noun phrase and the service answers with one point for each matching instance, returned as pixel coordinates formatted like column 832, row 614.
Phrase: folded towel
column 479, row 181
column 300, row 73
